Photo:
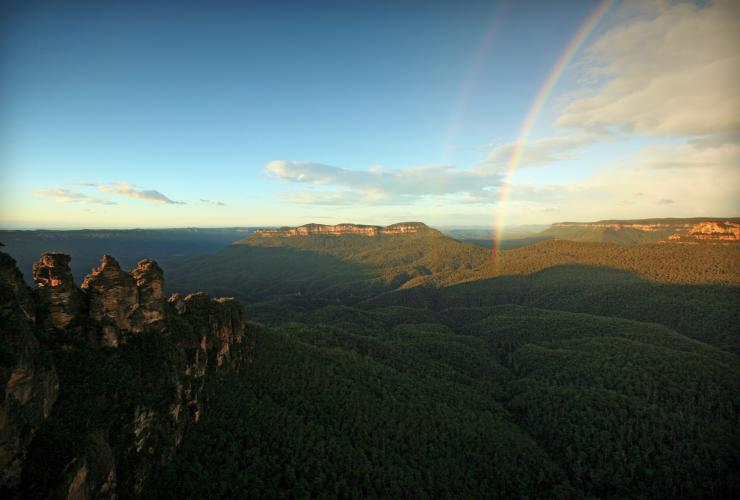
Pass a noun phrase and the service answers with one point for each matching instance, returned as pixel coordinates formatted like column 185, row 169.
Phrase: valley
column 373, row 361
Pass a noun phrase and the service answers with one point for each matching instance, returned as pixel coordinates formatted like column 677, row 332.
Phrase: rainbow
column 534, row 111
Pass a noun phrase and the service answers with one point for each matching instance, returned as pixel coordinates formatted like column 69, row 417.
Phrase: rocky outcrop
column 623, row 226
column 92, row 474
column 217, row 325
column 150, row 393
column 28, row 381
column 122, row 303
column 113, row 302
column 709, row 231
column 60, row 301
column 346, row 229
column 149, row 279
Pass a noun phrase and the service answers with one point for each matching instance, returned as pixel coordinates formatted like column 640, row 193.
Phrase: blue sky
column 286, row 112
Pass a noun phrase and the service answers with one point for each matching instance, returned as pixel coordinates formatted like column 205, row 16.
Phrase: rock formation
column 709, row 231
column 345, row 229
column 168, row 349
column 622, row 226
column 149, row 279
column 60, row 301
column 29, row 383
column 113, row 301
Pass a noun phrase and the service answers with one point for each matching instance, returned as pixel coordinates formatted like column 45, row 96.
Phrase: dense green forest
column 463, row 402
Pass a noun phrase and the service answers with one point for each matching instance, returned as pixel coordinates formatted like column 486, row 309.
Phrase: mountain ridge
column 345, row 229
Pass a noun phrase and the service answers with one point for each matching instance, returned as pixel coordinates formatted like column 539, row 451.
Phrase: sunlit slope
column 627, row 232
column 467, row 402
column 708, row 313
column 356, row 267
column 665, row 262
column 347, row 267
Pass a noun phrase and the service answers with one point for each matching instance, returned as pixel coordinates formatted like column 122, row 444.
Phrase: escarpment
column 347, row 229
column 101, row 382
column 710, row 231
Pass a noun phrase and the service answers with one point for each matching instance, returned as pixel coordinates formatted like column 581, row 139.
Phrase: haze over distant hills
column 128, row 245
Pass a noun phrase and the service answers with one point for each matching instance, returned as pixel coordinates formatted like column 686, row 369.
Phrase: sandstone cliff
column 649, row 231
column 128, row 370
column 347, row 229
column 709, row 231
column 622, row 226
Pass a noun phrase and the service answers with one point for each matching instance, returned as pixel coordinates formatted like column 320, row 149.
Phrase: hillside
column 665, row 263
column 640, row 231
column 349, row 267
column 464, row 402
column 386, row 361
column 707, row 313
column 352, row 267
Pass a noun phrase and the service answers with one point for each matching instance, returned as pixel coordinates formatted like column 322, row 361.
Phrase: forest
column 520, row 401
column 418, row 366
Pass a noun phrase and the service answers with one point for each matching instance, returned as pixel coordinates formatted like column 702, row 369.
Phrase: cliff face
column 29, row 384
column 61, row 303
column 132, row 373
column 650, row 231
column 346, row 229
column 622, row 226
column 710, row 231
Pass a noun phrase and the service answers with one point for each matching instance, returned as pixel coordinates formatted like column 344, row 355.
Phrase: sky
column 213, row 114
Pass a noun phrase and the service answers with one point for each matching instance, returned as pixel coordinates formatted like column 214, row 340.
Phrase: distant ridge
column 346, row 229
column 690, row 230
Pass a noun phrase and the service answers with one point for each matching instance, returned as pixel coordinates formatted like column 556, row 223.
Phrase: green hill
column 348, row 267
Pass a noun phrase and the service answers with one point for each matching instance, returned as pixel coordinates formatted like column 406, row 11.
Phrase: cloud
column 128, row 190
column 215, row 203
column 671, row 69
column 670, row 186
column 66, row 196
column 541, row 151
column 330, row 185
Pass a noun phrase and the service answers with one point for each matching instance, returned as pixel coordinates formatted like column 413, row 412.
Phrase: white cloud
column 67, row 196
column 541, row 151
column 674, row 181
column 376, row 185
column 671, row 69
column 128, row 190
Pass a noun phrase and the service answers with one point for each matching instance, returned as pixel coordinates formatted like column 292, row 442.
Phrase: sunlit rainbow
column 578, row 39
